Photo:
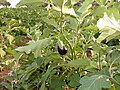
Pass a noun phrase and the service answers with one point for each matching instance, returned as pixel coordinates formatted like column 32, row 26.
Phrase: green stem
column 100, row 67
column 111, row 74
column 72, row 51
column 74, row 42
column 12, row 85
column 62, row 32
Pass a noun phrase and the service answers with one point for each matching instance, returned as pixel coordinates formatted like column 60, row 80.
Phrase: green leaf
column 114, row 35
column 45, row 76
column 39, row 61
column 108, row 26
column 73, row 23
column 50, row 21
column 118, row 70
column 70, row 11
column 85, row 6
column 117, row 78
column 97, row 48
column 74, row 1
column 58, row 3
column 6, row 85
column 114, row 10
column 10, row 50
column 104, row 71
column 74, row 80
column 26, row 74
column 115, row 56
column 18, row 55
column 106, row 32
column 29, row 2
column 52, row 57
column 110, row 22
column 57, row 83
column 93, row 64
column 95, row 82
column 99, row 11
column 46, row 32
column 78, row 63
column 35, row 47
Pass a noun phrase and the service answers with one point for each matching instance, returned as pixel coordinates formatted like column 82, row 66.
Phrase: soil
column 3, row 73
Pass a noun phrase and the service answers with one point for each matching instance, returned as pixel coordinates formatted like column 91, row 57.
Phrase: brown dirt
column 4, row 72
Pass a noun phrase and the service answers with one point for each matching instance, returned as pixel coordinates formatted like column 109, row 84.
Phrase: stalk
column 100, row 66
column 62, row 32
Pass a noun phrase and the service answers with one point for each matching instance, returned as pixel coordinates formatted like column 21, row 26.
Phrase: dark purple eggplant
column 62, row 51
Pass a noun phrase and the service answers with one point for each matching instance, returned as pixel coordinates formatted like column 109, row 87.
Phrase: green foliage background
column 30, row 37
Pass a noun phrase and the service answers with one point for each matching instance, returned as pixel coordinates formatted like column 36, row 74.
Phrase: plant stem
column 100, row 67
column 72, row 51
column 111, row 74
column 12, row 85
column 62, row 32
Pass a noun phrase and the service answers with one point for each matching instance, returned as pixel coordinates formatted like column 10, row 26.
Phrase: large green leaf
column 78, row 63
column 29, row 2
column 95, row 82
column 35, row 47
column 108, row 26
column 50, row 21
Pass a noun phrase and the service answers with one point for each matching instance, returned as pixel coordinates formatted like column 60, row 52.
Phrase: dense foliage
column 61, row 45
